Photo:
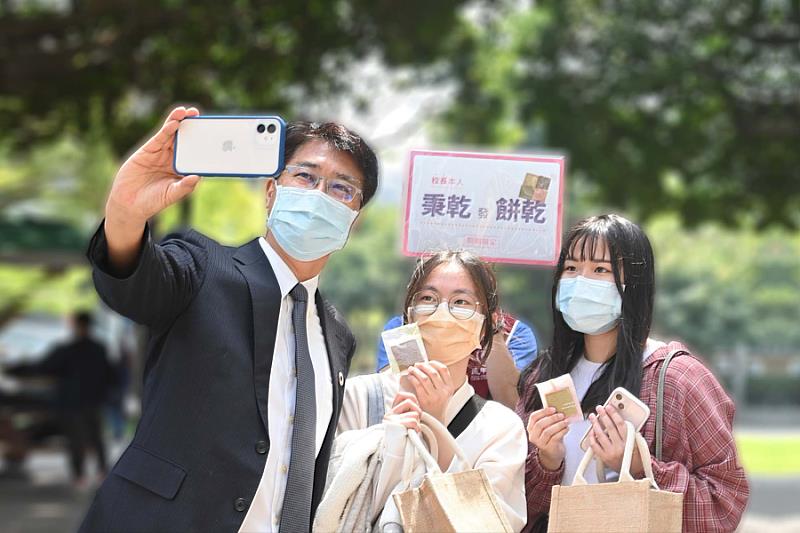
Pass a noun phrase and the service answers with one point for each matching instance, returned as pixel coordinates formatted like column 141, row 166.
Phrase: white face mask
column 590, row 306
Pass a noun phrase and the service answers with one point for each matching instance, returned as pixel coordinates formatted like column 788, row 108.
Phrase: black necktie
column 296, row 512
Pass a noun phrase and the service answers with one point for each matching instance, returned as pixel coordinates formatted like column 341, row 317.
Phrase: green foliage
column 129, row 62
column 35, row 290
column 765, row 454
column 65, row 178
column 773, row 390
column 719, row 289
column 679, row 113
column 60, row 184
column 367, row 279
column 82, row 83
column 677, row 106
column 229, row 210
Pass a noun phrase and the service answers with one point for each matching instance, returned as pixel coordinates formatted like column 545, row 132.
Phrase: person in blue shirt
column 493, row 376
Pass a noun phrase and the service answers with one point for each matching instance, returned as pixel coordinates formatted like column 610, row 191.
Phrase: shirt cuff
column 551, row 476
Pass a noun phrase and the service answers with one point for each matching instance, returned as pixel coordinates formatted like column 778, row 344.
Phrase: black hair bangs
column 595, row 240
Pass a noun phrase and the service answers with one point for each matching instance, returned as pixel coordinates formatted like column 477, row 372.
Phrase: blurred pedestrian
column 83, row 379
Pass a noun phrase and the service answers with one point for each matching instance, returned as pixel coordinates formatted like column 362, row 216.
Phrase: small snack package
column 404, row 347
column 560, row 393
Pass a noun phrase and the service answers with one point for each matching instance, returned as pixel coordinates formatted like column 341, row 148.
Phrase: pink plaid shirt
column 699, row 451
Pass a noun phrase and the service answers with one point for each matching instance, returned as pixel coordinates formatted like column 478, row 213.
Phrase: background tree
column 683, row 105
column 58, row 60
column 81, row 83
column 682, row 115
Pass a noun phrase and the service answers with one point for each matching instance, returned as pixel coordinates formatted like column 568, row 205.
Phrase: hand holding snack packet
column 404, row 347
column 560, row 393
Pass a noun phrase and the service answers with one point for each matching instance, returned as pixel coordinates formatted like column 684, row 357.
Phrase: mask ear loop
column 479, row 354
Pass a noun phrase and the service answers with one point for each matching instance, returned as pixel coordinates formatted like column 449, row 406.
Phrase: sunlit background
column 682, row 115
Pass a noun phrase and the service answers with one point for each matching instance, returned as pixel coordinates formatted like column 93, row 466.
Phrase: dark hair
column 341, row 139
column 482, row 276
column 82, row 319
column 629, row 248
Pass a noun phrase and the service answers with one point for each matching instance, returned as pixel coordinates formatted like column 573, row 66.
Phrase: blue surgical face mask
column 309, row 224
column 591, row 306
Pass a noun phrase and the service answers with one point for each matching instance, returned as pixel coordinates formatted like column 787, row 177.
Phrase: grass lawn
column 769, row 454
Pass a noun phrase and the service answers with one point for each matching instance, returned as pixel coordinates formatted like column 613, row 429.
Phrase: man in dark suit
column 246, row 361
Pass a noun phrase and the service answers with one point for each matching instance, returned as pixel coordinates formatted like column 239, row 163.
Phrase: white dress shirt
column 264, row 511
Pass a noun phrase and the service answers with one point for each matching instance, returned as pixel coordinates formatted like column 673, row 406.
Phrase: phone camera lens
column 260, row 128
column 621, row 406
column 619, row 396
column 271, row 128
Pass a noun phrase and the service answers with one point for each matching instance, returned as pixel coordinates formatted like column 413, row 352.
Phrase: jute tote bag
column 621, row 506
column 448, row 502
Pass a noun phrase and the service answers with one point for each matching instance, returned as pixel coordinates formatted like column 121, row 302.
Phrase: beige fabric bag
column 448, row 502
column 621, row 506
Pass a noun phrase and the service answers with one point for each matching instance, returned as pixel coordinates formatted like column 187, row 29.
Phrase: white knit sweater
column 495, row 441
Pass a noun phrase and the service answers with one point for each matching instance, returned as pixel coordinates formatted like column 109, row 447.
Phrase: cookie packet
column 560, row 393
column 404, row 347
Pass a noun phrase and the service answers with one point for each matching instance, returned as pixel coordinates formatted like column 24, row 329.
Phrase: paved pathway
column 46, row 502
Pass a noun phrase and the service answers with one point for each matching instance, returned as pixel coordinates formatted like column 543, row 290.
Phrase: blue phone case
column 281, row 147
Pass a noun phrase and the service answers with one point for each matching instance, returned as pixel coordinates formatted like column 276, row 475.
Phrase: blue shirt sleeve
column 522, row 345
column 383, row 359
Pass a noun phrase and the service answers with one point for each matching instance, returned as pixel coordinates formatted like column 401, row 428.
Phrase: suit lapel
column 337, row 348
column 265, row 298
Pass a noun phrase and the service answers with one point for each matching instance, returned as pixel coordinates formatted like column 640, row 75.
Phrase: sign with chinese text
column 503, row 208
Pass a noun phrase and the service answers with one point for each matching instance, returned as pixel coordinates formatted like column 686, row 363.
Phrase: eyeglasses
column 462, row 306
column 338, row 189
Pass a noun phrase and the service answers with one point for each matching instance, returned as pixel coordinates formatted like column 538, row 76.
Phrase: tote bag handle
column 443, row 440
column 632, row 437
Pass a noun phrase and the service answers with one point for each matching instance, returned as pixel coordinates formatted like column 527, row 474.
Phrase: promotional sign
column 503, row 208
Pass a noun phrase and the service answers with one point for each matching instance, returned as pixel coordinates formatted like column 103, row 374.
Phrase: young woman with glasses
column 450, row 296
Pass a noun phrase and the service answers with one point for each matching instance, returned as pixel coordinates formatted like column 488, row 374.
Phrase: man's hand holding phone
column 546, row 430
column 145, row 185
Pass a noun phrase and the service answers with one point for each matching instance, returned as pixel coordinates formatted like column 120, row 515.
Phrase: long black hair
column 631, row 259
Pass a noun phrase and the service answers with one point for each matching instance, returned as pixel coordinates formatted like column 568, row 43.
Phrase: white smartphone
column 230, row 146
column 629, row 406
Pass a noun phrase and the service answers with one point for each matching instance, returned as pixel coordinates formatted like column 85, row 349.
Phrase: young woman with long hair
column 602, row 300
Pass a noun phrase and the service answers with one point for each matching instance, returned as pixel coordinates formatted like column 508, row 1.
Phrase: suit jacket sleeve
column 163, row 282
